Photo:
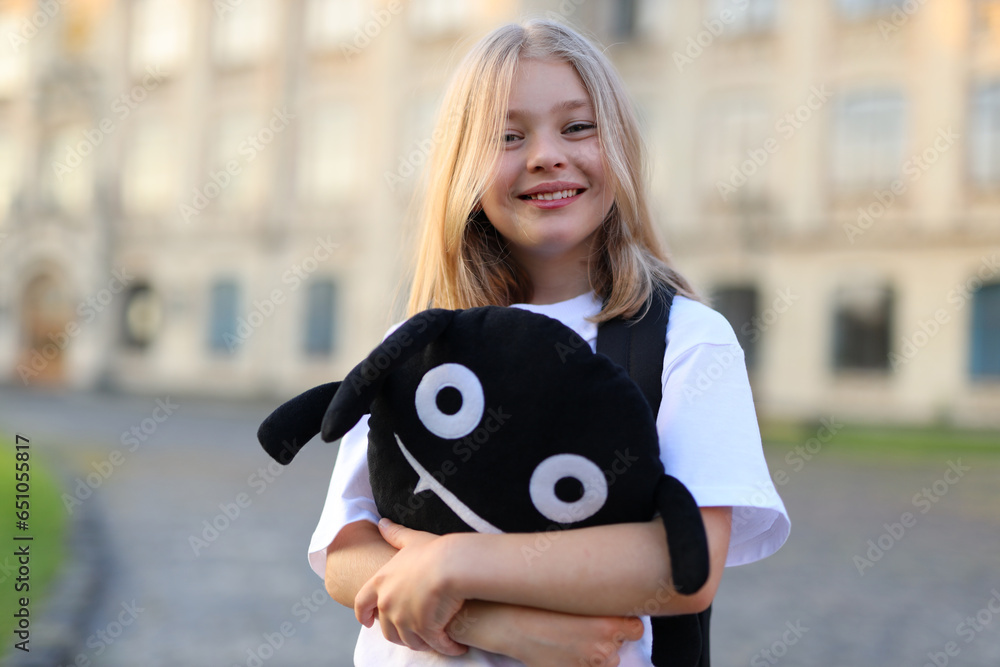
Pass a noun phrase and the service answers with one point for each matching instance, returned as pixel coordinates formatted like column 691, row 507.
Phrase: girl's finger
column 413, row 640
column 366, row 605
column 633, row 629
column 445, row 645
column 391, row 633
column 394, row 534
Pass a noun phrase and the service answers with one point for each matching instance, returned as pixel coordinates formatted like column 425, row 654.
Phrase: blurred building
column 210, row 196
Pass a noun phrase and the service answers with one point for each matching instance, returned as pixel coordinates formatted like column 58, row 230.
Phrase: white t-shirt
column 706, row 415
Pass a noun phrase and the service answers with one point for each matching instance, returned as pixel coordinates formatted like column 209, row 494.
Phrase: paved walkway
column 906, row 597
column 245, row 587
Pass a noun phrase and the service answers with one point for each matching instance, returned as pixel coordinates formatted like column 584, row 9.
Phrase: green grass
column 883, row 441
column 46, row 525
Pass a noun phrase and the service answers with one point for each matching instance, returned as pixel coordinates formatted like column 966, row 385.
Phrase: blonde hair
column 462, row 260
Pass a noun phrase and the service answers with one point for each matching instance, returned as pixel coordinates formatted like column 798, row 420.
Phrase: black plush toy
column 500, row 420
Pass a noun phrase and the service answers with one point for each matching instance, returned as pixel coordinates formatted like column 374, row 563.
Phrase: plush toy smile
column 428, row 483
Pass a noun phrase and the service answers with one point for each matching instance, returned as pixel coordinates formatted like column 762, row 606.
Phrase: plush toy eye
column 449, row 401
column 567, row 488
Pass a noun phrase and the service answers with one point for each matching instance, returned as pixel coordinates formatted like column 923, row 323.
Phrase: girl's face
column 548, row 197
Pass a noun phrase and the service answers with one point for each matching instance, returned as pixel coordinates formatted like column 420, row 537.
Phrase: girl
column 535, row 199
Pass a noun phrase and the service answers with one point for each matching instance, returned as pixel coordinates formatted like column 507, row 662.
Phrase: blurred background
column 204, row 211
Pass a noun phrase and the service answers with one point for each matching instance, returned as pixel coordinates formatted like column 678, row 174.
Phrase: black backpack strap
column 638, row 346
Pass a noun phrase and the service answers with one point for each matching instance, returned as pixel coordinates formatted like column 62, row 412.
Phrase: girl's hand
column 541, row 638
column 410, row 594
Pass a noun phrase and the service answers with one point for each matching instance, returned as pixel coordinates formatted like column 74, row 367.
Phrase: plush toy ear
column 354, row 398
column 686, row 539
column 294, row 423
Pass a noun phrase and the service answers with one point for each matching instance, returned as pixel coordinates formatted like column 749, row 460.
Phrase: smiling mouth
column 551, row 196
column 429, row 483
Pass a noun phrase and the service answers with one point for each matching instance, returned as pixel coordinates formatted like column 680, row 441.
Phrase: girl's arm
column 533, row 636
column 538, row 637
column 613, row 569
column 619, row 569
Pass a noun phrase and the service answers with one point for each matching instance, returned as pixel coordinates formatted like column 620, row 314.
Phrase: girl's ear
column 354, row 397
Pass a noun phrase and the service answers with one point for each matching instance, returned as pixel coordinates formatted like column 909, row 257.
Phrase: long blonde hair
column 462, row 260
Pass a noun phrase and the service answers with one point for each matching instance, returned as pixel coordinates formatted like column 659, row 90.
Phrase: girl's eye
column 580, row 127
column 509, row 137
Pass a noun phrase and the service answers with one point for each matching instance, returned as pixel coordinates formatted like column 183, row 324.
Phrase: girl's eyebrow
column 565, row 105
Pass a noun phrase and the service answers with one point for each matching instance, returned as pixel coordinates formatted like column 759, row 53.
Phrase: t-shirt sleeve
column 349, row 498
column 709, row 435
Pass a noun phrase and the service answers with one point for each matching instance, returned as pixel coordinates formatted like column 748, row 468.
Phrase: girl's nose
column 545, row 153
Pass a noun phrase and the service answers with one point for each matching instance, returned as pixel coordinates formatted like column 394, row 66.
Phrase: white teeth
column 550, row 196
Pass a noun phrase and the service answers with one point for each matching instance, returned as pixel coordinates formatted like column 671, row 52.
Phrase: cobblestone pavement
column 920, row 593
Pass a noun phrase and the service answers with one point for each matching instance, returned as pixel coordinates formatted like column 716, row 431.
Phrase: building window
column 733, row 130
column 244, row 33
column 328, row 154
column 436, row 18
column 984, row 142
column 223, row 315
column 11, row 173
column 320, row 318
column 13, row 58
column 623, row 18
column 985, row 360
column 418, row 118
column 141, row 317
column 868, row 140
column 739, row 306
column 744, row 16
column 241, row 149
column 67, row 170
column 862, row 328
column 150, row 169
column 161, row 35
column 858, row 10
column 653, row 17
column 331, row 24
